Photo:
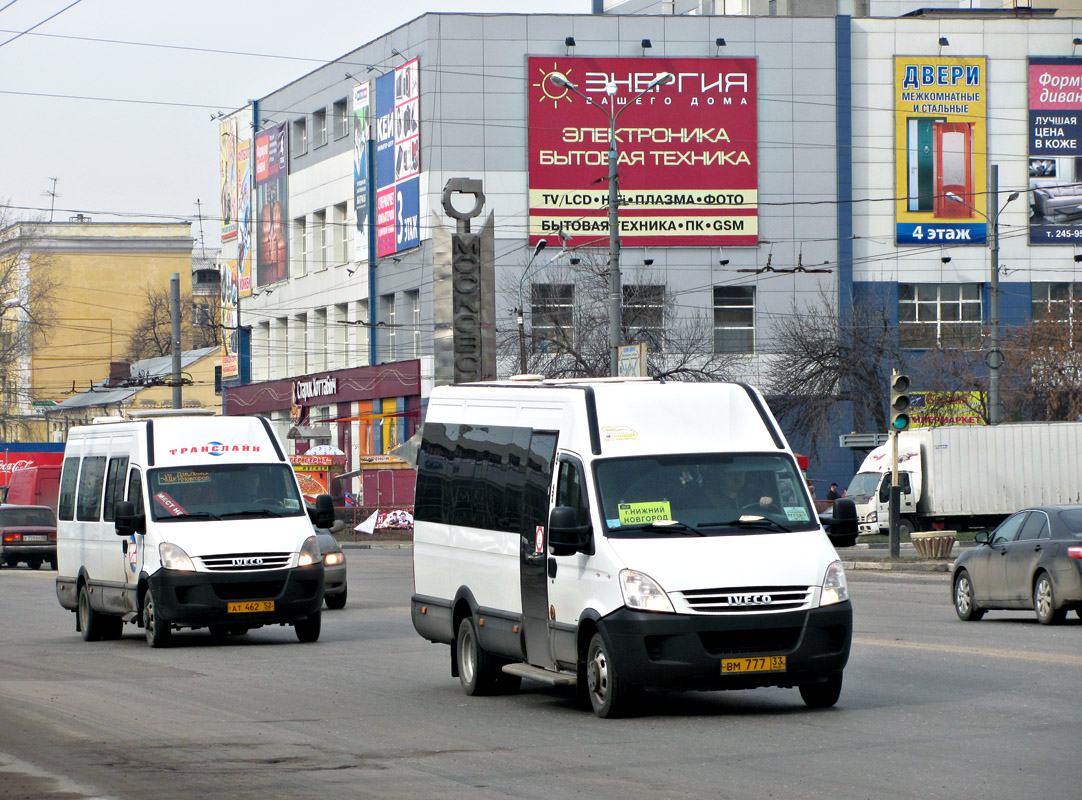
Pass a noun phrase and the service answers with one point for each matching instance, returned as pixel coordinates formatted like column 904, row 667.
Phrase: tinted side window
column 135, row 491
column 433, row 474
column 1008, row 529
column 571, row 492
column 114, row 486
column 91, row 478
column 66, row 501
column 1036, row 526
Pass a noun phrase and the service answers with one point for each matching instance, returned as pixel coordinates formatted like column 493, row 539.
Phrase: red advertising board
column 687, row 151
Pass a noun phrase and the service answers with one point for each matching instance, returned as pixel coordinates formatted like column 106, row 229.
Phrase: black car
column 334, row 569
column 1032, row 560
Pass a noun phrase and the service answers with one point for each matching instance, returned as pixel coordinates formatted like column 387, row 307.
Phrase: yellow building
column 81, row 287
column 142, row 386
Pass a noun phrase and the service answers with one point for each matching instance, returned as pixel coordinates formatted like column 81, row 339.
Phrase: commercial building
column 794, row 161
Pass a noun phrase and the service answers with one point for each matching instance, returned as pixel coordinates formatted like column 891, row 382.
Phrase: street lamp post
column 521, row 329
column 994, row 354
column 615, row 281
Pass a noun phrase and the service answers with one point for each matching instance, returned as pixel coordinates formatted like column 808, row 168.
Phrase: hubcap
column 466, row 657
column 598, row 674
column 962, row 596
column 1044, row 598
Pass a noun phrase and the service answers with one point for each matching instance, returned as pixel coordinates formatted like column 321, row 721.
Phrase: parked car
column 334, row 569
column 1033, row 560
column 27, row 533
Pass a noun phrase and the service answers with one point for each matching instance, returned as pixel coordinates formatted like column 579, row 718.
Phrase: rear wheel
column 610, row 695
column 307, row 630
column 905, row 528
column 478, row 671
column 158, row 631
column 964, row 604
column 824, row 694
column 89, row 620
column 33, row 563
column 1044, row 602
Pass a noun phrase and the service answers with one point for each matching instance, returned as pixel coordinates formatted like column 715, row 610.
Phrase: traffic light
column 899, row 402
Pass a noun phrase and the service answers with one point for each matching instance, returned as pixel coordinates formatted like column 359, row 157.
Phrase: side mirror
column 127, row 521
column 841, row 524
column 566, row 536
column 983, row 537
column 322, row 515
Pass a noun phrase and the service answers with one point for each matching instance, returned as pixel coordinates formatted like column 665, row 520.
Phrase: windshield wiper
column 190, row 515
column 748, row 521
column 253, row 512
column 665, row 526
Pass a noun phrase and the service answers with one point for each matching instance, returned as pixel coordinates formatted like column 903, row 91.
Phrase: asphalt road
column 931, row 708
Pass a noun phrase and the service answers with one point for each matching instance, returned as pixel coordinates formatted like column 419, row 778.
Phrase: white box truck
column 186, row 521
column 621, row 535
column 962, row 477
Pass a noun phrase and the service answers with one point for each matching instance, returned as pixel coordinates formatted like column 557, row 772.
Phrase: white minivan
column 185, row 521
column 622, row 535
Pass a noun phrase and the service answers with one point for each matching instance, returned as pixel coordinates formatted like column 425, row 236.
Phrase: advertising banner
column 687, row 152
column 230, row 328
column 398, row 160
column 1055, row 150
column 361, row 100
column 271, row 200
column 244, row 218
column 932, row 409
column 227, row 174
column 940, row 149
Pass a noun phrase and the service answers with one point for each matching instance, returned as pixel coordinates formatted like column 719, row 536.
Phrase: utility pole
column 52, row 195
column 174, row 335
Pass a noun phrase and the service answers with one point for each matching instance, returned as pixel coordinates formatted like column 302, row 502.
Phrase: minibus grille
column 246, row 562
column 750, row 642
column 746, row 599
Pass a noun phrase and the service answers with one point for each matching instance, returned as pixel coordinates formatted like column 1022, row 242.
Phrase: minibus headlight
column 835, row 588
column 641, row 593
column 309, row 553
column 173, row 557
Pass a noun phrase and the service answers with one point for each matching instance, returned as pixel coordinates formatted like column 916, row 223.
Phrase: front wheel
column 905, row 529
column 824, row 694
column 1044, row 602
column 307, row 629
column 88, row 619
column 965, row 606
column 336, row 601
column 158, row 631
column 610, row 695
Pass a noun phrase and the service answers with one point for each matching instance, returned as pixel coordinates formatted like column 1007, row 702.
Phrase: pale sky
column 112, row 98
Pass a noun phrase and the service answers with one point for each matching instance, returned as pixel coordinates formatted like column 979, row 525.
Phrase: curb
column 376, row 545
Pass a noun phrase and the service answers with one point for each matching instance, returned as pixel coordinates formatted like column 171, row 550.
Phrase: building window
column 413, row 302
column 1059, row 305
column 644, row 315
column 734, row 319
column 387, row 315
column 939, row 314
column 300, row 247
column 300, row 136
column 552, row 316
column 341, row 234
column 319, row 127
column 323, row 240
column 340, row 112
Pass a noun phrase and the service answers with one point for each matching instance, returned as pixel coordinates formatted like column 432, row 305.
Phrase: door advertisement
column 398, row 160
column 940, row 153
column 1055, row 150
column 687, row 151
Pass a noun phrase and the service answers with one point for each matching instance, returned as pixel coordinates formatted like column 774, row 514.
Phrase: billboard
column 687, row 151
column 244, row 217
column 230, row 320
column 227, row 176
column 361, row 102
column 1055, row 150
column 398, row 160
column 271, row 201
column 940, row 151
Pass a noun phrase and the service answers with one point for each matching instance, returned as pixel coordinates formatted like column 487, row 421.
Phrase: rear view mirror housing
column 566, row 535
column 841, row 523
column 127, row 521
column 322, row 515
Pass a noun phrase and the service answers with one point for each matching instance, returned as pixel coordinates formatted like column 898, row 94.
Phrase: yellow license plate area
column 740, row 666
column 251, row 607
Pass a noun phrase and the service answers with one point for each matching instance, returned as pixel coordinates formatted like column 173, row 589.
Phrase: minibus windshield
column 707, row 494
column 226, row 491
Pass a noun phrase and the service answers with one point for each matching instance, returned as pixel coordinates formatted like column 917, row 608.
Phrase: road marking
column 1019, row 655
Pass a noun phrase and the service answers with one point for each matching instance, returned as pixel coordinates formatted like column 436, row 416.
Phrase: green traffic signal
column 899, row 401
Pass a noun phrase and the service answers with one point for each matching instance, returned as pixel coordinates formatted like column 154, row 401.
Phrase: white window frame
column 729, row 309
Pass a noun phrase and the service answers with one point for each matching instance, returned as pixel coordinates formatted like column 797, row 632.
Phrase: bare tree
column 27, row 292
column 1043, row 366
column 565, row 330
column 819, row 361
column 151, row 337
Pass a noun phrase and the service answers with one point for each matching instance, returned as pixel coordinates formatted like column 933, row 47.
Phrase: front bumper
column 334, row 579
column 685, row 650
column 197, row 599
